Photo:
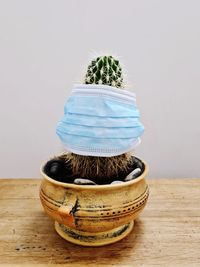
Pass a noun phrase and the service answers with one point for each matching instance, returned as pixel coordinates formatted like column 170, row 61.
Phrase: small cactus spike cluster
column 105, row 70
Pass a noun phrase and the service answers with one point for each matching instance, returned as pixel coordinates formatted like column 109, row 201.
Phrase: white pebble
column 117, row 182
column 135, row 173
column 82, row 181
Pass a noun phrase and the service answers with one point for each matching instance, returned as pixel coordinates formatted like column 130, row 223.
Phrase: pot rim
column 95, row 187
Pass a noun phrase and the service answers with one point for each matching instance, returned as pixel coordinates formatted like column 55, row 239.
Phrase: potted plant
column 96, row 189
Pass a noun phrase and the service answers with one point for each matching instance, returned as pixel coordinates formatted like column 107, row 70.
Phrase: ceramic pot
column 94, row 215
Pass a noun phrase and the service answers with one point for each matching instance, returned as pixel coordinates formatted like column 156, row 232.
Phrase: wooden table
column 166, row 234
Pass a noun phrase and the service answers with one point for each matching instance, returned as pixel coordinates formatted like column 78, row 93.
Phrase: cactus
column 101, row 170
column 104, row 70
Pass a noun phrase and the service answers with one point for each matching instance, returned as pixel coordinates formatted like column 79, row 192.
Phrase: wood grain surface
column 166, row 234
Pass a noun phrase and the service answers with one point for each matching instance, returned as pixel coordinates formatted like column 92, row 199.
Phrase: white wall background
column 44, row 47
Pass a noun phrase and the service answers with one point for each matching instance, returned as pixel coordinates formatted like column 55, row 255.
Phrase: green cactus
column 105, row 70
column 102, row 70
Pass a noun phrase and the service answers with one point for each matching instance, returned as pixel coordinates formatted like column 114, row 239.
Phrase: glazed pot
column 94, row 215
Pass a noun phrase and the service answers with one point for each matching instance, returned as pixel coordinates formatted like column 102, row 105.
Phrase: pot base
column 93, row 239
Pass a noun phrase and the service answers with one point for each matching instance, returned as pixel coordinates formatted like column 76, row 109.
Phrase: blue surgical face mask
column 100, row 120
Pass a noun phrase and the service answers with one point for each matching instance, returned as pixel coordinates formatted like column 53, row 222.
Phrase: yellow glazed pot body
column 93, row 215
